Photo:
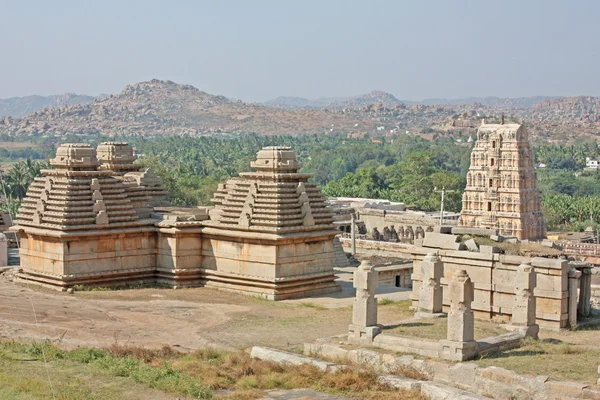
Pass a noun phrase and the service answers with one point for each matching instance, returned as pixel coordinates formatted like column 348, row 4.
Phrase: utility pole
column 353, row 232
column 443, row 192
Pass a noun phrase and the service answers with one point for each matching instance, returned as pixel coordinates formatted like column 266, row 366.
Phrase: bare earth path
column 185, row 318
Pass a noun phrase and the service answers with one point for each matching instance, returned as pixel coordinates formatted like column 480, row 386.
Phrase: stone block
column 442, row 229
column 463, row 230
column 591, row 394
column 439, row 391
column 463, row 375
column 442, row 241
column 399, row 382
column 489, row 249
column 548, row 243
column 285, row 357
column 471, row 245
column 499, row 375
column 458, row 351
column 496, row 238
column 564, row 390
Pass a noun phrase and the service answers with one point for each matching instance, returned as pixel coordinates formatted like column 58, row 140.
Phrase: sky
column 258, row 50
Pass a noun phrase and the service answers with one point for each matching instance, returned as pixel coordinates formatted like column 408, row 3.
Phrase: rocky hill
column 18, row 107
column 166, row 108
column 373, row 97
column 502, row 103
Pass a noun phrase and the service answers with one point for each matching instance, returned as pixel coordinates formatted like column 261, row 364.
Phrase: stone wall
column 112, row 257
column 490, row 382
column 493, row 276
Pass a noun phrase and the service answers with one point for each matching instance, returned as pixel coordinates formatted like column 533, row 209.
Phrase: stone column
column 460, row 344
column 584, row 307
column 353, row 233
column 3, row 250
column 364, row 311
column 573, row 286
column 523, row 311
column 431, row 295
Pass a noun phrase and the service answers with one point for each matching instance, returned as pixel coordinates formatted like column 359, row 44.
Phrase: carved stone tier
column 501, row 190
column 117, row 157
column 76, row 196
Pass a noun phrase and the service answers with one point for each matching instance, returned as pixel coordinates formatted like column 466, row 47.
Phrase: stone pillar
column 364, row 311
column 460, row 344
column 353, row 233
column 584, row 307
column 573, row 286
column 3, row 250
column 523, row 311
column 431, row 295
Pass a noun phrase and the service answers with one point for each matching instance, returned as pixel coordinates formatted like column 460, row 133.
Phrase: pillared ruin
column 501, row 190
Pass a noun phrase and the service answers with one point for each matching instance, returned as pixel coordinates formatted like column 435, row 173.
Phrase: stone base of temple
column 290, row 288
column 107, row 279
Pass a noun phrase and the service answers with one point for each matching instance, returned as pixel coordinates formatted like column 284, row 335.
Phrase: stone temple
column 501, row 190
column 97, row 219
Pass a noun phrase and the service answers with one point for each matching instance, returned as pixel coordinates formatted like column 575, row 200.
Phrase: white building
column 591, row 164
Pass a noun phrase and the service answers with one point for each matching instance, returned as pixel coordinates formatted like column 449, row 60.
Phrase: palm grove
column 407, row 169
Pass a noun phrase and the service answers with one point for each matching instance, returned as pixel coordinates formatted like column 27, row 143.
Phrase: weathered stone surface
column 430, row 295
column 438, row 391
column 524, row 304
column 563, row 390
column 489, row 249
column 442, row 241
column 285, row 357
column 364, row 311
column 471, row 245
column 464, row 230
column 463, row 374
column 399, row 382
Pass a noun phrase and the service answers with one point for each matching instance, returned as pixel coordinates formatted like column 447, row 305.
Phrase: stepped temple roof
column 78, row 195
column 274, row 199
column 117, row 157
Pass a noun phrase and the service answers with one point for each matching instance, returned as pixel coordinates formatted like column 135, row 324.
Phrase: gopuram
column 501, row 190
column 96, row 219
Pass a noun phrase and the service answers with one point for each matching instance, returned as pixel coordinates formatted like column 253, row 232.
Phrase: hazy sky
column 257, row 50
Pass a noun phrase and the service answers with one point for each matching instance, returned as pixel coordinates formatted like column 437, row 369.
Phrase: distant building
column 501, row 190
column 590, row 163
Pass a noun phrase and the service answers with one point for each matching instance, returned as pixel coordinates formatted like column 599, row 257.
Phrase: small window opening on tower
column 489, row 206
column 491, row 182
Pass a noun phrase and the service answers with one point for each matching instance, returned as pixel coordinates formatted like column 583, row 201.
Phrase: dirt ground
column 183, row 318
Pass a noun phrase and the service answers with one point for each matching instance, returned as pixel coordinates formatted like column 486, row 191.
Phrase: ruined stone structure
column 93, row 221
column 364, row 328
column 503, row 289
column 501, row 190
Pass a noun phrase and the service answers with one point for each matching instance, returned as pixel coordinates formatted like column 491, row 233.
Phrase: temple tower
column 279, row 231
column 78, row 224
column 501, row 190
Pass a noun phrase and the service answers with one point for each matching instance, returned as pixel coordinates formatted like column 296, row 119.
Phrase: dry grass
column 436, row 329
column 558, row 360
column 206, row 373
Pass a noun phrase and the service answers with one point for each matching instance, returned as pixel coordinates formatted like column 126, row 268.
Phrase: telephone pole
column 443, row 192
